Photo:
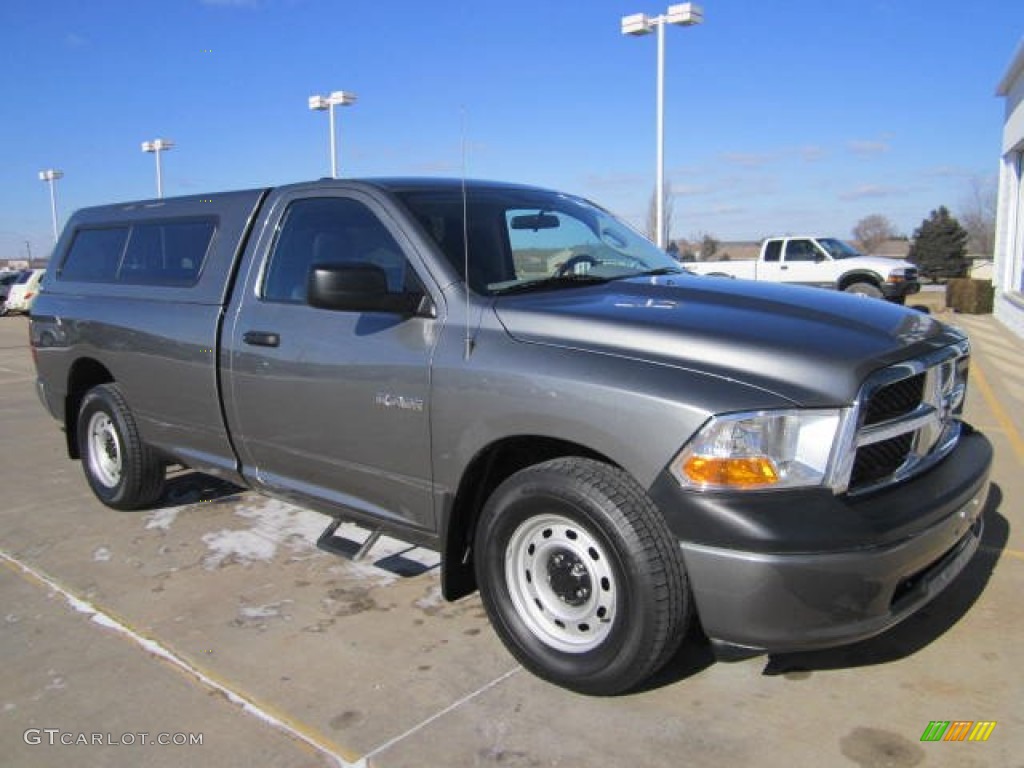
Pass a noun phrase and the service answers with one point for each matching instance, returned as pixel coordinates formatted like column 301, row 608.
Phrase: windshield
column 520, row 238
column 837, row 249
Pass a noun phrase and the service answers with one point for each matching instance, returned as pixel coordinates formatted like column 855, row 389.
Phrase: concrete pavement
column 216, row 615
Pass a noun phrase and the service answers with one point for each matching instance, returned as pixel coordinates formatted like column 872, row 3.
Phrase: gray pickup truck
column 609, row 448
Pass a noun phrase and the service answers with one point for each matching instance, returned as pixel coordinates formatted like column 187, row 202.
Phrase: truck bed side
column 152, row 333
column 742, row 268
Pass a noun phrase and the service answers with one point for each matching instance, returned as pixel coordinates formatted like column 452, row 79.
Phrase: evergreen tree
column 939, row 246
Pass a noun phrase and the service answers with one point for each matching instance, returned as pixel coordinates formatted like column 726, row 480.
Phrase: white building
column 1008, row 270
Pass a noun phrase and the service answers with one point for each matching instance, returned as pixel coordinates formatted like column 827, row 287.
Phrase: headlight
column 897, row 275
column 761, row 450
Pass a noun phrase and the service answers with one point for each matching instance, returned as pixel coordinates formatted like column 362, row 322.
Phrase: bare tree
column 871, row 231
column 652, row 212
column 977, row 215
column 708, row 247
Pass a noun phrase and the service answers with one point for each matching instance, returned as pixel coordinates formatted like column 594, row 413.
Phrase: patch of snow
column 274, row 524
column 56, row 684
column 268, row 611
column 162, row 519
column 433, row 599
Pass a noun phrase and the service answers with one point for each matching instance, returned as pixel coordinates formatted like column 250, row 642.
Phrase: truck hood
column 880, row 264
column 809, row 346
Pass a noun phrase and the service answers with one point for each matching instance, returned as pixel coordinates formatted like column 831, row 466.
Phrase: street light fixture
column 328, row 103
column 51, row 175
column 683, row 15
column 156, row 147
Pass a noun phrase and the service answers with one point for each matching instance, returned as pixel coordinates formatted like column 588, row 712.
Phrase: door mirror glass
column 357, row 287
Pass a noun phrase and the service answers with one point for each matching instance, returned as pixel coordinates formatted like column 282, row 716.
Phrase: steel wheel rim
column 104, row 450
column 561, row 582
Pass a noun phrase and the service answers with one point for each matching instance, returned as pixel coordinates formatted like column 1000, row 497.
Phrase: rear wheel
column 580, row 576
column 868, row 290
column 122, row 471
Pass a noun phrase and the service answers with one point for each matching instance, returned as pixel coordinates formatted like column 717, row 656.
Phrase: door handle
column 784, row 266
column 261, row 338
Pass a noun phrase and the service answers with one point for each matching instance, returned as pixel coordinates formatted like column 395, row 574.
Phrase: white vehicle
column 824, row 262
column 7, row 279
column 23, row 293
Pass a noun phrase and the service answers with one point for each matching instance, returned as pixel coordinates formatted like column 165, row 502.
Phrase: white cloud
column 868, row 146
column 746, row 159
column 870, row 191
column 233, row 3
column 691, row 190
column 946, row 172
column 615, row 181
column 811, row 153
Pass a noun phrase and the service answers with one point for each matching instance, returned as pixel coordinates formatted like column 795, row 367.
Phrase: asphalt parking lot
column 215, row 618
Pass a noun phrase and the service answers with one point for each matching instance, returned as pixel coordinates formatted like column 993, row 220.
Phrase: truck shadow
column 186, row 486
column 905, row 639
column 923, row 627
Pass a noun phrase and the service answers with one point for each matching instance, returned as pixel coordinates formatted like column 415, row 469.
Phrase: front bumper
column 774, row 575
column 897, row 291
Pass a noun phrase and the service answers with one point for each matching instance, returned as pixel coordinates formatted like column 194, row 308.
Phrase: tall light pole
column 51, row 175
column 156, row 147
column 684, row 15
column 329, row 102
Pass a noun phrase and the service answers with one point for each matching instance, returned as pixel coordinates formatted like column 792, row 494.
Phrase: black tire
column 122, row 471
column 865, row 289
column 610, row 602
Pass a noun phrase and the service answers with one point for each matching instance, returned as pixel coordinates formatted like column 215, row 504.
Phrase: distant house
column 1008, row 269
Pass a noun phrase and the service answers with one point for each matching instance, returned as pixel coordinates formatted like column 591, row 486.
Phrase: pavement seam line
column 154, row 648
column 1002, row 417
column 364, row 763
column 1015, row 553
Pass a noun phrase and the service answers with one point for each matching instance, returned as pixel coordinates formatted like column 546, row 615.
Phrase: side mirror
column 357, row 287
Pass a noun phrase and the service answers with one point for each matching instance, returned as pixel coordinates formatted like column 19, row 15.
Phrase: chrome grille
column 879, row 460
column 908, row 418
column 894, row 400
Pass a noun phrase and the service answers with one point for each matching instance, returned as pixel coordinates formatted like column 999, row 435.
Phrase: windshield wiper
column 654, row 273
column 553, row 282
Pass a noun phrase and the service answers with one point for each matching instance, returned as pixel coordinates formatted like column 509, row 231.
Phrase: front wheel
column 867, row 290
column 122, row 471
column 580, row 576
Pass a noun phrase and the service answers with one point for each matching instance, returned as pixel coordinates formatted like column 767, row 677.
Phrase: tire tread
column 650, row 545
column 143, row 473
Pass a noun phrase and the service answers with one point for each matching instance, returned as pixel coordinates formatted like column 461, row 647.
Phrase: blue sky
column 796, row 115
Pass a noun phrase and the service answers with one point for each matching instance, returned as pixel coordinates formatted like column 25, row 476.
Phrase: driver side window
column 801, row 250
column 329, row 230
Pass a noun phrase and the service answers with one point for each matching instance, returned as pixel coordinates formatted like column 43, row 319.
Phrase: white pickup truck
column 821, row 261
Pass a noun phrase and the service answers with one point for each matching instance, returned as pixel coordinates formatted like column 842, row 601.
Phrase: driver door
column 802, row 263
column 326, row 404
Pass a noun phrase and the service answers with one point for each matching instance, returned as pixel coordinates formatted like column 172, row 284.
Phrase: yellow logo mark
column 982, row 730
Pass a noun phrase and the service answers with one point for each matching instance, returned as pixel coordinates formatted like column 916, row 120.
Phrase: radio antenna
column 468, row 341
